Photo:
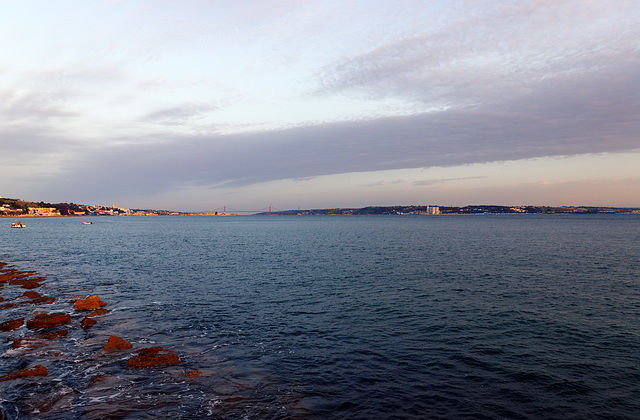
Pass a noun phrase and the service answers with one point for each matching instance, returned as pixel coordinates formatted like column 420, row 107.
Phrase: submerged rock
column 54, row 334
column 27, row 283
column 88, row 322
column 97, row 312
column 42, row 300
column 11, row 325
column 117, row 343
column 38, row 370
column 19, row 342
column 154, row 356
column 55, row 319
column 88, row 304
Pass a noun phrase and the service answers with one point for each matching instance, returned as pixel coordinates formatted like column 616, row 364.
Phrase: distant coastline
column 16, row 208
column 470, row 209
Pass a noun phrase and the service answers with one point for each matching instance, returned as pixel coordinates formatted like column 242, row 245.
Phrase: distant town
column 475, row 209
column 10, row 207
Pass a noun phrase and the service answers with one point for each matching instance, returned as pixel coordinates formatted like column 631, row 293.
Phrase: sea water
column 331, row 317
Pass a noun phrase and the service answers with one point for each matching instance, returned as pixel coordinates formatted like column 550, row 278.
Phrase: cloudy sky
column 195, row 105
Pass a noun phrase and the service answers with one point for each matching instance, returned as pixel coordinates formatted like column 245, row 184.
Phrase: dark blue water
column 354, row 317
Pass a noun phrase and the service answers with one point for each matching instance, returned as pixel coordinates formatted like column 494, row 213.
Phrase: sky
column 200, row 104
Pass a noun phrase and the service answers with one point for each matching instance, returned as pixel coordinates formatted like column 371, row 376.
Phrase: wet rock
column 88, row 322
column 38, row 370
column 97, row 312
column 11, row 325
column 27, row 282
column 7, row 306
column 192, row 373
column 26, row 342
column 20, row 342
column 54, row 334
column 1, row 299
column 15, row 275
column 55, row 319
column 42, row 300
column 31, row 295
column 89, row 304
column 117, row 343
column 154, row 356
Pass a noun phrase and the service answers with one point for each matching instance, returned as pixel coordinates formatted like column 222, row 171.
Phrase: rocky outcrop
column 154, row 356
column 42, row 321
column 11, row 325
column 89, row 304
column 37, row 370
column 117, row 343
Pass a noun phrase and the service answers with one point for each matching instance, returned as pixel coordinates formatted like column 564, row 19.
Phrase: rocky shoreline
column 38, row 338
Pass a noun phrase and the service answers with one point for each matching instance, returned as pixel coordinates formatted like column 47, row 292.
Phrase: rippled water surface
column 337, row 317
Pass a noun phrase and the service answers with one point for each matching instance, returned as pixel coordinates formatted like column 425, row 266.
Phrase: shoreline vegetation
column 42, row 329
column 10, row 207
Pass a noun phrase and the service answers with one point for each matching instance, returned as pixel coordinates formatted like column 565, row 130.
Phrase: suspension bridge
column 222, row 211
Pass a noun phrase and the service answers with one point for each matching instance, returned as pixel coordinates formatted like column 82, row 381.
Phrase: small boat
column 87, row 223
column 18, row 224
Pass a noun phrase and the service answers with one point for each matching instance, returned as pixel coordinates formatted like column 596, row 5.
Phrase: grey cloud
column 441, row 180
column 490, row 54
column 593, row 113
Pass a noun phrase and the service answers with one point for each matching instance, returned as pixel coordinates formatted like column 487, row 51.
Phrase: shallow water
column 337, row 317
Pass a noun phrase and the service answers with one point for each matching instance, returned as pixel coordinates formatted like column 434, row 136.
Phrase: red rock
column 97, row 312
column 31, row 295
column 193, row 373
column 14, row 324
column 26, row 281
column 88, row 322
column 38, row 370
column 55, row 319
column 1, row 299
column 117, row 343
column 7, row 306
column 76, row 297
column 154, row 356
column 42, row 300
column 54, row 334
column 30, row 285
column 18, row 342
column 88, row 304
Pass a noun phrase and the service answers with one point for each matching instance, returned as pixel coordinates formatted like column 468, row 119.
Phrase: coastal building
column 433, row 210
column 44, row 211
